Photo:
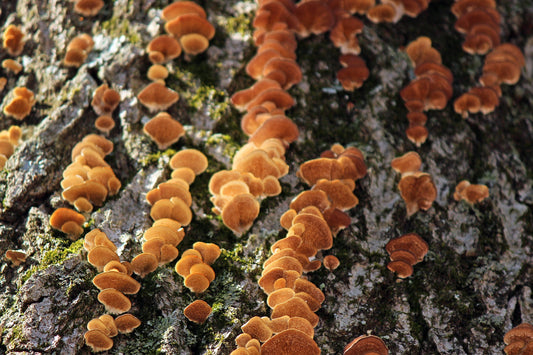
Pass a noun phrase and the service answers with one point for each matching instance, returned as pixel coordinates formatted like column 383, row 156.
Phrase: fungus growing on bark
column 471, row 193
column 164, row 130
column 418, row 191
column 104, row 124
column 68, row 221
column 120, row 282
column 100, row 255
column 353, row 73
column 13, row 40
column 240, row 212
column 290, row 341
column 344, row 36
column 77, row 50
column 197, row 311
column 162, row 49
column 12, row 65
column 21, row 104
column 209, row 251
column 405, row 251
column 105, row 100
column 519, row 340
column 88, row 8
column 410, row 162
column 144, row 263
column 114, row 301
column 127, row 323
column 157, row 97
column 314, row 16
column 189, row 158
column 97, row 340
column 16, row 257
column 331, row 262
column 366, row 344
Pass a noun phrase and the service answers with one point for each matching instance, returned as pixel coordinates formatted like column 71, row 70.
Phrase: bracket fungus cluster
column 9, row 139
column 77, row 50
column 393, row 10
column 12, row 65
column 479, row 21
column 197, row 311
column 89, row 179
column 13, row 40
column 417, row 188
column 16, row 257
column 68, row 221
column 292, row 298
column 187, row 22
column 430, row 90
column 88, row 8
column 195, row 266
column 366, row 345
column 502, row 65
column 114, row 282
column 405, row 251
column 105, row 101
column 519, row 340
column 21, row 104
column 471, row 193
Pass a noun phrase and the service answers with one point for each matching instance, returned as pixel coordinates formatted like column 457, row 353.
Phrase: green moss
column 54, row 257
column 17, row 334
column 117, row 27
column 240, row 24
column 214, row 101
column 154, row 157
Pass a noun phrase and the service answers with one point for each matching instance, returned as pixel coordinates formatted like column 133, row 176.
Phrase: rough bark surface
column 473, row 286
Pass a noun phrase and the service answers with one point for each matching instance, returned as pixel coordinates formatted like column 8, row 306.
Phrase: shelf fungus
column 353, row 73
column 157, row 97
column 406, row 251
column 366, row 345
column 16, row 257
column 105, row 100
column 13, row 40
column 9, row 139
column 12, row 66
column 189, row 25
column 196, row 270
column 163, row 49
column 519, row 340
column 197, row 311
column 21, row 104
column 77, row 50
column 471, row 193
column 88, row 8
column 68, row 221
column 164, row 130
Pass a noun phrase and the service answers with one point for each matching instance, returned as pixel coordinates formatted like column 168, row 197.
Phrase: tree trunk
column 472, row 287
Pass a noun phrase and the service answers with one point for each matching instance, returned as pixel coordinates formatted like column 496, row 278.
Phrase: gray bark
column 472, row 287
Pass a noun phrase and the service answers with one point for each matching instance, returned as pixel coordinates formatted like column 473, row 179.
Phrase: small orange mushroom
column 157, row 97
column 13, row 40
column 164, row 130
column 88, row 8
column 16, row 257
column 290, row 341
column 197, row 311
column 105, row 100
column 418, row 191
column 127, row 323
column 114, row 301
column 366, row 344
column 471, row 193
column 97, row 340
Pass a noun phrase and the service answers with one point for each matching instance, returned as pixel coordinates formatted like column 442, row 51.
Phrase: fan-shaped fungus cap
column 114, row 301
column 126, row 323
column 190, row 23
column 197, row 311
column 340, row 194
column 279, row 127
column 400, row 268
column 461, row 7
column 522, row 332
column 104, row 124
column 13, row 40
column 352, row 77
column 209, row 251
column 144, row 263
column 97, row 238
column 418, row 192
column 470, row 193
column 18, row 108
column 105, row 100
column 257, row 329
column 295, row 307
column 279, row 296
column 175, row 209
column 315, row 17
column 290, row 69
column 179, row 8
column 196, row 282
column 119, row 281
column 467, row 103
column 12, row 65
column 288, row 342
column 162, row 49
column 385, row 12
column 16, row 257
column 117, row 266
column 189, row 158
column 97, row 340
column 331, row 262
column 99, row 256
column 63, row 216
column 366, row 344
column 194, row 43
column 240, row 212
column 409, row 162
column 157, row 97
column 316, row 235
column 411, row 242
column 164, row 130
column 88, row 7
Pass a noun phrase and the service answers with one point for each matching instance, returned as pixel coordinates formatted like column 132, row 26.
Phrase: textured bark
column 472, row 287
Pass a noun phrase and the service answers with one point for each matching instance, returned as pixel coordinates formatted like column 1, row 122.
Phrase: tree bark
column 472, row 287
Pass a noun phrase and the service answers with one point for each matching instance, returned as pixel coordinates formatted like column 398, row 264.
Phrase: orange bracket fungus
column 13, row 40
column 470, row 193
column 9, row 139
column 405, row 251
column 164, row 130
column 519, row 340
column 21, row 104
column 16, row 257
column 68, row 221
column 197, row 311
column 88, row 7
column 105, row 100
column 366, row 344
column 157, row 97
column 77, row 50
